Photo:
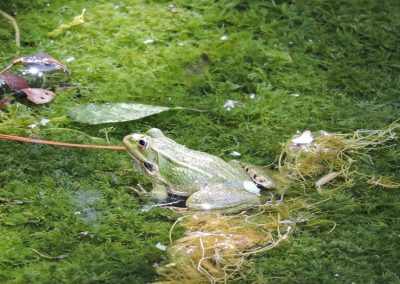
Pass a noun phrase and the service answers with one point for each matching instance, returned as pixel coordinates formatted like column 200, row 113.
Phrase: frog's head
column 139, row 147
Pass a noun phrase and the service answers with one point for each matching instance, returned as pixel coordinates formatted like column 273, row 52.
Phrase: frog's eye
column 143, row 143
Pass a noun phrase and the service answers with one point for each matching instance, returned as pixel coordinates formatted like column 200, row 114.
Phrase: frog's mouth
column 143, row 164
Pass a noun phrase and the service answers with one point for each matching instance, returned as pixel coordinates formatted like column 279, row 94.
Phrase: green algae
column 310, row 65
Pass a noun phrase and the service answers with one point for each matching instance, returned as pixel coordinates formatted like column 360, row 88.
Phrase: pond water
column 223, row 77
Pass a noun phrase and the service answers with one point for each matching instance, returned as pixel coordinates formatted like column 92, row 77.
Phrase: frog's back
column 201, row 162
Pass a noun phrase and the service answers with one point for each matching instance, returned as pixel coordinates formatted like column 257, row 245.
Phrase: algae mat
column 285, row 66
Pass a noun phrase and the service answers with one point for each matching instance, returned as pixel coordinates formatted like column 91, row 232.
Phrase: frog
column 209, row 183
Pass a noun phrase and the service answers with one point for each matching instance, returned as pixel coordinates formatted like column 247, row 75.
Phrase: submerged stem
column 15, row 25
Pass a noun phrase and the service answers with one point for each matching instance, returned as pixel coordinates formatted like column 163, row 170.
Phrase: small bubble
column 251, row 96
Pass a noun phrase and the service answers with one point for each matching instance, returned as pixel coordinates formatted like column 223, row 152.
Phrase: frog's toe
column 222, row 200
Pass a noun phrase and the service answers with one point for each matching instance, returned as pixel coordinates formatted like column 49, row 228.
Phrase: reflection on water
column 86, row 202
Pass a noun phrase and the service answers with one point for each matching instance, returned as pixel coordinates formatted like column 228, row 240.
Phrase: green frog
column 210, row 183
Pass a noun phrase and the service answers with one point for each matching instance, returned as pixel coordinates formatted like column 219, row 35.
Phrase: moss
column 329, row 65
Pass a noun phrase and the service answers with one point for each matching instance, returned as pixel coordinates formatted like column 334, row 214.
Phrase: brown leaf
column 4, row 103
column 14, row 81
column 42, row 59
column 39, row 96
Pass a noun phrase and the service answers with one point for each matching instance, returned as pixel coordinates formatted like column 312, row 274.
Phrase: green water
column 291, row 65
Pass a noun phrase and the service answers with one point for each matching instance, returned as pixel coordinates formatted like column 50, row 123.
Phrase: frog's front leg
column 158, row 193
column 222, row 197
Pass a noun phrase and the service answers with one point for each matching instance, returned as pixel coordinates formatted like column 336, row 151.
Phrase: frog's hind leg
column 256, row 173
column 222, row 198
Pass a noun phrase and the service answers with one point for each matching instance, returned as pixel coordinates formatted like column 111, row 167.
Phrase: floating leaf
column 38, row 96
column 14, row 81
column 112, row 112
column 42, row 62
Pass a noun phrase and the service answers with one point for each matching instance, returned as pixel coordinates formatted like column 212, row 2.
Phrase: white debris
column 148, row 41
column 172, row 264
column 32, row 126
column 323, row 133
column 44, row 121
column 295, row 95
column 304, row 139
column 235, row 154
column 230, row 104
column 160, row 246
column 251, row 187
column 224, row 37
column 172, row 8
column 69, row 59
column 77, row 213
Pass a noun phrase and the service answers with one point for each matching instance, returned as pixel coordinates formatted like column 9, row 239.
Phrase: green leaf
column 112, row 112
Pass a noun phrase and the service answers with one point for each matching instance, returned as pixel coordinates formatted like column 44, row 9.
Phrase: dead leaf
column 14, row 81
column 39, row 96
column 42, row 61
column 4, row 103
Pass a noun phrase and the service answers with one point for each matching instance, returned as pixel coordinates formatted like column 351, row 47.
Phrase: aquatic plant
column 290, row 65
column 216, row 248
column 327, row 156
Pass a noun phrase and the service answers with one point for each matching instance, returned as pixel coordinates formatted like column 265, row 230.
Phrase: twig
column 15, row 25
column 50, row 257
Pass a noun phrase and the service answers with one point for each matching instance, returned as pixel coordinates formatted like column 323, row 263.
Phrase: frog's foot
column 217, row 198
column 141, row 192
column 156, row 194
column 257, row 174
